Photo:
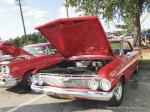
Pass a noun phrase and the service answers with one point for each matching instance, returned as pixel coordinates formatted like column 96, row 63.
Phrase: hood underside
column 76, row 36
column 11, row 49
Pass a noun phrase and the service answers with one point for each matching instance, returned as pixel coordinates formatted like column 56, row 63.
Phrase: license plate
column 65, row 96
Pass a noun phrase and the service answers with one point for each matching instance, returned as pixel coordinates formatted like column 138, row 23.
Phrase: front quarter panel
column 19, row 68
column 121, row 66
column 111, row 68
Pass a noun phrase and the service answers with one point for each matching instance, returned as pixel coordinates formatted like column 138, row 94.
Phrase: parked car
column 93, row 68
column 126, row 36
column 4, row 57
column 145, row 36
column 19, row 66
column 40, row 49
column 112, row 35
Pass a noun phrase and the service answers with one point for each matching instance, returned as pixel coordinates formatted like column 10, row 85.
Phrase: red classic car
column 39, row 49
column 19, row 64
column 93, row 68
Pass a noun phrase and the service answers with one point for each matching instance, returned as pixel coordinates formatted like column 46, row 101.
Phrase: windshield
column 36, row 50
column 116, row 46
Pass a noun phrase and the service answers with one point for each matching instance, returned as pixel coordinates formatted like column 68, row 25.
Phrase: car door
column 130, row 59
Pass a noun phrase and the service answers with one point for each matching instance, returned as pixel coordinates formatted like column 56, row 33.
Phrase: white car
column 126, row 36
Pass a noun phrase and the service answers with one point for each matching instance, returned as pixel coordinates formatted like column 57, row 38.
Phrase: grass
column 146, row 54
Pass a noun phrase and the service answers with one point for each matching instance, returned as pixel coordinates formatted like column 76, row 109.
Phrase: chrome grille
column 68, row 80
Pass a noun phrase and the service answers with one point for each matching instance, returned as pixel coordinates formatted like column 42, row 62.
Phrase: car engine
column 77, row 67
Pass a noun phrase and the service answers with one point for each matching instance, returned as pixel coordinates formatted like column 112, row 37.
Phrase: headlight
column 37, row 80
column 105, row 84
column 5, row 69
column 34, row 79
column 40, row 81
column 93, row 84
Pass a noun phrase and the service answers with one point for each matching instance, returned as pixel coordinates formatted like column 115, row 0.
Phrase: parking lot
column 136, row 97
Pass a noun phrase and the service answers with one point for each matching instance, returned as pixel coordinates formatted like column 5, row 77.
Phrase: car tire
column 118, row 94
column 26, row 82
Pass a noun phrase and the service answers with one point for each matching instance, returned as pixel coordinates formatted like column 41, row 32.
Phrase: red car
column 17, row 66
column 93, row 68
column 39, row 49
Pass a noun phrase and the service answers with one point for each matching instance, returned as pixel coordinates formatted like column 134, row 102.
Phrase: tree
column 32, row 38
column 128, row 10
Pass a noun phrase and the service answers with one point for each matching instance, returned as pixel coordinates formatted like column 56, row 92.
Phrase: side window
column 126, row 47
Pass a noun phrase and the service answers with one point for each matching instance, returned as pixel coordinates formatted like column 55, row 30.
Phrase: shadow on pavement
column 20, row 90
column 69, row 106
column 76, row 106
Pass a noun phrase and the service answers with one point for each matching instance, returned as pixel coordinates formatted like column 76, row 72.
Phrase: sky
column 37, row 12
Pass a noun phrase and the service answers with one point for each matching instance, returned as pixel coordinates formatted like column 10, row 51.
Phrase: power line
column 22, row 18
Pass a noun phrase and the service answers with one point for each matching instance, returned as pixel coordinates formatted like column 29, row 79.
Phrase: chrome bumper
column 8, row 82
column 76, row 93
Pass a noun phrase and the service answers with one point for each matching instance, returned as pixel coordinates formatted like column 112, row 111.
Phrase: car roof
column 118, row 40
column 40, row 44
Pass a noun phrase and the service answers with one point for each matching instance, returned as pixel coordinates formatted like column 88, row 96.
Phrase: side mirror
column 128, row 53
column 113, row 51
column 53, row 51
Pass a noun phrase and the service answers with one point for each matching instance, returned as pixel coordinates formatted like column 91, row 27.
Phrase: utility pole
column 23, row 23
column 67, row 6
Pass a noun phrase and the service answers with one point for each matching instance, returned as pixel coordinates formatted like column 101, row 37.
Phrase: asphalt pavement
column 136, row 98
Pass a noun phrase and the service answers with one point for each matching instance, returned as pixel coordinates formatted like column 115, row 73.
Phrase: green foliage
column 127, row 10
column 30, row 38
column 88, row 7
column 110, row 8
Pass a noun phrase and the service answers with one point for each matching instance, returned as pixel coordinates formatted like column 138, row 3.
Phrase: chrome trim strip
column 70, row 76
column 88, row 94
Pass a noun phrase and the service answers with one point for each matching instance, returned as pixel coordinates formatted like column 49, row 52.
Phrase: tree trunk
column 137, row 31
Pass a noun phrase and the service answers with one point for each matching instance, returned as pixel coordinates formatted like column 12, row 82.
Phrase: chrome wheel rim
column 118, row 91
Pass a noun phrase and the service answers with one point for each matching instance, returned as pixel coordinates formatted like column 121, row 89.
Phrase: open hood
column 75, row 36
column 12, row 49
